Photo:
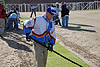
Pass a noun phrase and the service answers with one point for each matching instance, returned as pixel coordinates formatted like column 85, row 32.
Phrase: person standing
column 41, row 30
column 33, row 9
column 18, row 14
column 56, row 16
column 64, row 15
column 2, row 20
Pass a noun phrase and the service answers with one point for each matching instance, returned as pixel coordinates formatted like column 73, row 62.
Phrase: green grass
column 57, row 61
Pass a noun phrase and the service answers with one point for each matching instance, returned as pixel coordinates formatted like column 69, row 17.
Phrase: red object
column 2, row 12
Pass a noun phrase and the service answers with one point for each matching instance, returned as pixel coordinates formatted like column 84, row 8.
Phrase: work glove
column 28, row 37
column 50, row 47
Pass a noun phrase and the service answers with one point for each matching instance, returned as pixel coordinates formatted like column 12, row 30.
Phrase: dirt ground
column 82, row 37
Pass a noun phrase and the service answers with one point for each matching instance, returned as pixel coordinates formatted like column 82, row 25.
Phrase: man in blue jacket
column 42, row 30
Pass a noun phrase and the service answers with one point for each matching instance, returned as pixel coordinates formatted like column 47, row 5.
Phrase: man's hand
column 50, row 47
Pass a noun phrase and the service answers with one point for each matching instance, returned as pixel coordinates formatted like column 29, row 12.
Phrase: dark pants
column 33, row 10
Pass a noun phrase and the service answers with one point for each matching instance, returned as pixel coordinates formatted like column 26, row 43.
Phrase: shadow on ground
column 16, row 45
column 78, row 27
column 15, row 40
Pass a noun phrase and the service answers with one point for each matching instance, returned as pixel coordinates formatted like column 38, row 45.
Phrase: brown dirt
column 82, row 37
column 15, row 51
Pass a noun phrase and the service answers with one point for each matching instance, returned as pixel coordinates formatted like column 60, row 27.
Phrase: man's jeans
column 11, row 20
column 33, row 10
column 65, row 19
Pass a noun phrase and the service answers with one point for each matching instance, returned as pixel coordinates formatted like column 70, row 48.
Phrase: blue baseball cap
column 51, row 10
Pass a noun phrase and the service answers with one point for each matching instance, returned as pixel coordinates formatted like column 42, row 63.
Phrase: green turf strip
column 56, row 61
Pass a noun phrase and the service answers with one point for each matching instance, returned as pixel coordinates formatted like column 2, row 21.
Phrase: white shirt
column 13, row 15
column 33, row 7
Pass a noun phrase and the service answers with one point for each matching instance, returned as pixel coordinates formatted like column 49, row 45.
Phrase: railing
column 43, row 6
